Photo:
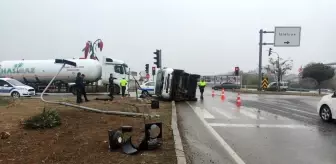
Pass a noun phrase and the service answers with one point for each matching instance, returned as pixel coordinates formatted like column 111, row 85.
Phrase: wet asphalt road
column 277, row 129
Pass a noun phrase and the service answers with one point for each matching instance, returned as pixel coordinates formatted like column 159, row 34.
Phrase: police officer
column 202, row 85
column 111, row 85
column 123, row 83
column 78, row 88
column 83, row 88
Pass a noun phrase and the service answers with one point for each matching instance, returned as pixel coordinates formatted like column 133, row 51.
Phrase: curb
column 177, row 138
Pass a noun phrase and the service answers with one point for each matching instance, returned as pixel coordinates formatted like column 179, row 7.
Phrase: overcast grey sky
column 201, row 36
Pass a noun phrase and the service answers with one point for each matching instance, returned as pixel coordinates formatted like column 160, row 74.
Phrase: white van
column 14, row 88
column 274, row 85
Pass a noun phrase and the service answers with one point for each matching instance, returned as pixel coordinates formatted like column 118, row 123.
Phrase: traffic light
column 269, row 51
column 236, row 71
column 157, row 58
column 147, row 67
column 153, row 71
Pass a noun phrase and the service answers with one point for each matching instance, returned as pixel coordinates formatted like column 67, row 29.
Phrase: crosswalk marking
column 294, row 109
column 257, row 126
column 227, row 115
column 233, row 113
column 204, row 113
column 251, row 114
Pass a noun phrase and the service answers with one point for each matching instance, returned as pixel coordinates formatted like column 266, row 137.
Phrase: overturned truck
column 174, row 84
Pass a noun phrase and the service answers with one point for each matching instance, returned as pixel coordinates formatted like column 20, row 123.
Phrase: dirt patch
column 82, row 137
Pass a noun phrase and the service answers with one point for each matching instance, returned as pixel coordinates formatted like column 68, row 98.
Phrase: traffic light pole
column 261, row 32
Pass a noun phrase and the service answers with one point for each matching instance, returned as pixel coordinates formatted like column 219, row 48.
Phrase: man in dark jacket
column 78, row 87
column 83, row 88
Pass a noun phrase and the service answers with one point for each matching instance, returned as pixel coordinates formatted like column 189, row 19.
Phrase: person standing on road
column 78, row 88
column 83, row 88
column 111, row 85
column 202, row 85
column 123, row 83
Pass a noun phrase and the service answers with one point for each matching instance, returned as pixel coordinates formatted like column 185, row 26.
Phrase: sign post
column 265, row 83
column 283, row 37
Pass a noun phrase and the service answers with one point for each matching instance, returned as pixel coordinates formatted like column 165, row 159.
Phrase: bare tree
column 284, row 67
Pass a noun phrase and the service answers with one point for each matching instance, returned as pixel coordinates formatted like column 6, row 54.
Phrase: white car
column 326, row 107
column 147, row 88
column 14, row 88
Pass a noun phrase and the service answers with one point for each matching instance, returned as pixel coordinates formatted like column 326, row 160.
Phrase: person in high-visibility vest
column 123, row 83
column 202, row 85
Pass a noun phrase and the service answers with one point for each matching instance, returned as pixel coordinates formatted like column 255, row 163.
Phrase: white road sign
column 287, row 36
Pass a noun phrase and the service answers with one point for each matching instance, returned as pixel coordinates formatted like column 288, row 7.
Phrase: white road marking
column 206, row 114
column 226, row 146
column 221, row 111
column 250, row 114
column 294, row 114
column 258, row 125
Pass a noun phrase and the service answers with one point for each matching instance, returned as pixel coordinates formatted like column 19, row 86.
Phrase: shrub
column 46, row 119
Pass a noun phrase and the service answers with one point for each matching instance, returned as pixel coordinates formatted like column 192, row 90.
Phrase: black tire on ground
column 325, row 113
column 15, row 94
column 116, row 89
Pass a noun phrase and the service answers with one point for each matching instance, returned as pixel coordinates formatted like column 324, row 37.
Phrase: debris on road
column 150, row 140
column 4, row 135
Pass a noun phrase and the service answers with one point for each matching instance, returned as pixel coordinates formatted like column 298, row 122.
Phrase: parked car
column 147, row 88
column 326, row 108
column 14, row 88
column 226, row 85
column 273, row 86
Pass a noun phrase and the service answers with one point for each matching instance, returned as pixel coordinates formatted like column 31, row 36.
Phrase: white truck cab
column 118, row 68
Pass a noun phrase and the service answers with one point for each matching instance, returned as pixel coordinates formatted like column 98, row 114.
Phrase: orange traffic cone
column 222, row 96
column 238, row 101
column 213, row 93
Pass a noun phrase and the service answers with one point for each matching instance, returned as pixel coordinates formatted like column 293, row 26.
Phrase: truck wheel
column 116, row 89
